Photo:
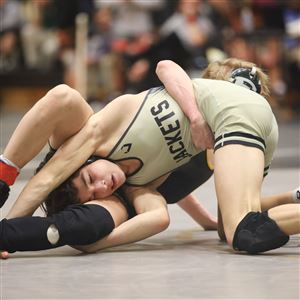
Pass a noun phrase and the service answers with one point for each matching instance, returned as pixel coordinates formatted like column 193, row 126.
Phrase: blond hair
column 221, row 70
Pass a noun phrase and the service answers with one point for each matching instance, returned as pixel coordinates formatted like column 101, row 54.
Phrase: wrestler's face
column 98, row 180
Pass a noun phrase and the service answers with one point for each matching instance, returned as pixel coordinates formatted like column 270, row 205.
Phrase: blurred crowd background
column 126, row 39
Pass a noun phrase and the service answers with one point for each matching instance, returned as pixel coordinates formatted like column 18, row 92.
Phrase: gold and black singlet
column 158, row 137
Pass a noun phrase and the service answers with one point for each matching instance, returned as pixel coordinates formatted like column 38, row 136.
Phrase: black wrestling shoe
column 4, row 192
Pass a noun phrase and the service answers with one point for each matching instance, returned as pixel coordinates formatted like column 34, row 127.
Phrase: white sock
column 8, row 162
column 296, row 195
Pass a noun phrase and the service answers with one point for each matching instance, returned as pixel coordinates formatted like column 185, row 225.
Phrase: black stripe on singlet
column 266, row 170
column 240, row 134
column 238, row 142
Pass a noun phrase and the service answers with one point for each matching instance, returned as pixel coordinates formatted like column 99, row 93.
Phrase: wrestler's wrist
column 196, row 118
column 198, row 125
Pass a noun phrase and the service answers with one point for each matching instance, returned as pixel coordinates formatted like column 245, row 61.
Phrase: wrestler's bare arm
column 179, row 86
column 191, row 205
column 152, row 218
column 70, row 156
column 97, row 136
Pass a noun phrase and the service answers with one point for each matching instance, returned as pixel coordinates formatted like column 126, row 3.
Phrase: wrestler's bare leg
column 276, row 200
column 287, row 217
column 57, row 116
column 238, row 179
column 267, row 203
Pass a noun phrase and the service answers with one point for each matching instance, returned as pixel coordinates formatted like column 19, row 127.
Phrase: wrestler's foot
column 4, row 192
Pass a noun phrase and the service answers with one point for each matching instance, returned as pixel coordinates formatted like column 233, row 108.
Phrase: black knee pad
column 76, row 225
column 258, row 233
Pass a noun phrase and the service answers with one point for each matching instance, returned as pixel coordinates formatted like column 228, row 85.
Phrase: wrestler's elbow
column 62, row 97
column 164, row 224
column 85, row 248
column 163, row 220
column 164, row 66
column 61, row 91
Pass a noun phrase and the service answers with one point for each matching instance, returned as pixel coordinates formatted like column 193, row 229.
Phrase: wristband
column 8, row 173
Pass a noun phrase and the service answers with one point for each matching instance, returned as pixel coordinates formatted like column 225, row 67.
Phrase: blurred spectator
column 193, row 28
column 270, row 56
column 140, row 72
column 292, row 56
column 268, row 14
column 263, row 22
column 239, row 46
column 223, row 15
column 256, row 35
column 132, row 33
column 39, row 34
column 104, row 67
column 67, row 12
column 131, row 17
column 182, row 38
column 132, row 27
column 10, row 46
column 128, row 37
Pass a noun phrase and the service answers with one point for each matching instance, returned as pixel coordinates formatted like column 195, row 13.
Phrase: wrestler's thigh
column 238, row 178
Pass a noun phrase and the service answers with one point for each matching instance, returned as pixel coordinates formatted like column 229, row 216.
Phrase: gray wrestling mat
column 183, row 262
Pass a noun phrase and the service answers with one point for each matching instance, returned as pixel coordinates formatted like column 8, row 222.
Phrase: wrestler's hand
column 4, row 255
column 202, row 135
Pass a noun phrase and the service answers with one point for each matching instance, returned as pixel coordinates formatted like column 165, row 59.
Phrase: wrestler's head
column 232, row 67
column 96, row 179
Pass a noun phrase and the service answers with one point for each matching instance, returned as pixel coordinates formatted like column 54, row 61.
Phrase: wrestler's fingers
column 4, row 255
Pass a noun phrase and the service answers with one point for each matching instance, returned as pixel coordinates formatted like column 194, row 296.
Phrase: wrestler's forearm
column 180, row 87
column 198, row 212
column 71, row 155
column 152, row 217
column 29, row 199
column 136, row 229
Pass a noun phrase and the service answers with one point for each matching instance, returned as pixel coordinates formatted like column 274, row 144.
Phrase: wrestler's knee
column 258, row 233
column 54, row 103
column 164, row 222
column 62, row 96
